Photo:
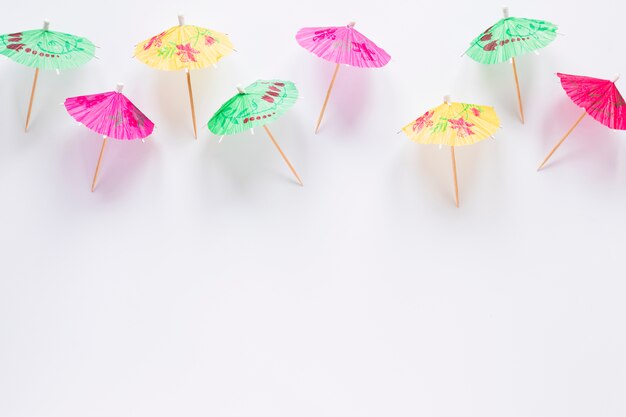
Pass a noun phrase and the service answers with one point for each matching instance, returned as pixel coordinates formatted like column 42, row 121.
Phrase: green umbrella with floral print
column 508, row 38
column 257, row 105
column 47, row 50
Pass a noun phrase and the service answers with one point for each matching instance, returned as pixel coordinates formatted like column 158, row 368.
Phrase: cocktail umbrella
column 257, row 105
column 47, row 50
column 341, row 45
column 453, row 124
column 599, row 98
column 508, row 38
column 111, row 115
column 184, row 47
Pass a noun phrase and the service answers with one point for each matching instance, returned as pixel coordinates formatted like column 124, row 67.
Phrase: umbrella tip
column 181, row 19
column 240, row 89
column 351, row 24
column 505, row 11
column 447, row 99
column 119, row 87
column 46, row 24
column 615, row 77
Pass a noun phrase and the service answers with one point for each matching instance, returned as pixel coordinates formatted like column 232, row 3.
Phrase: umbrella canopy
column 47, row 50
column 256, row 105
column 511, row 37
column 110, row 114
column 342, row 45
column 454, row 124
column 184, row 47
column 600, row 98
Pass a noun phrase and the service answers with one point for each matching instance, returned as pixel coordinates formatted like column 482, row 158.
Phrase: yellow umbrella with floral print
column 184, row 47
column 454, row 124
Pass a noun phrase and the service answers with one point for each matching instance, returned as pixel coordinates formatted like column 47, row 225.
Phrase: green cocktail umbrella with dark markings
column 508, row 38
column 257, row 105
column 46, row 50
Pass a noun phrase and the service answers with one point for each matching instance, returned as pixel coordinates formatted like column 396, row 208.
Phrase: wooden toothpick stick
column 519, row 94
column 32, row 96
column 95, row 177
column 283, row 155
column 330, row 88
column 456, row 184
column 193, row 109
column 562, row 139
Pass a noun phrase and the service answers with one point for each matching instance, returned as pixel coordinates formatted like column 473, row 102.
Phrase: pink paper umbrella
column 111, row 115
column 341, row 45
column 599, row 98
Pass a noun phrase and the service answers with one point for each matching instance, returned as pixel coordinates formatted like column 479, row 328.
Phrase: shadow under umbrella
column 238, row 158
column 352, row 97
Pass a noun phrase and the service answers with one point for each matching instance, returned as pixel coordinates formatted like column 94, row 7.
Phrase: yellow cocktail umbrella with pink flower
column 453, row 124
column 184, row 47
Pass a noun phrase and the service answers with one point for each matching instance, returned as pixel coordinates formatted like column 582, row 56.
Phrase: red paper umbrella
column 599, row 98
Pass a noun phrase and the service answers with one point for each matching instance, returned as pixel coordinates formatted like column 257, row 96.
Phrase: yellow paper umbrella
column 453, row 124
column 184, row 47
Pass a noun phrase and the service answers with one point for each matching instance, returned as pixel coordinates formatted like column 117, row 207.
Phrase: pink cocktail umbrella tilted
column 600, row 99
column 111, row 115
column 341, row 45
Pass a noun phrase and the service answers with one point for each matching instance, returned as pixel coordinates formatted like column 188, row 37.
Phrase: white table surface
column 200, row 280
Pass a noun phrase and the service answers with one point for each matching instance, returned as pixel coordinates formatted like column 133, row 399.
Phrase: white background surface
column 200, row 280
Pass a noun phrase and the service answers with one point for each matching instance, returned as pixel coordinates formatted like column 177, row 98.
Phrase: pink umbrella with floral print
column 599, row 98
column 111, row 115
column 341, row 45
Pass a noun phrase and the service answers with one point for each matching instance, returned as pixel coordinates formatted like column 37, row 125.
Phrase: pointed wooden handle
column 193, row 108
column 283, row 155
column 32, row 97
column 519, row 94
column 330, row 88
column 562, row 139
column 95, row 176
column 456, row 184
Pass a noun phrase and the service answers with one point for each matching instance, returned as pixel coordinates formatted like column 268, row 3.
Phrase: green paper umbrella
column 508, row 38
column 47, row 50
column 258, row 104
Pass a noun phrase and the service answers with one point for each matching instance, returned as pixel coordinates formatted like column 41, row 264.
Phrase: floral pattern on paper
column 424, row 121
column 90, row 101
column 187, row 53
column 209, row 40
column 155, row 41
column 325, row 34
column 459, row 122
column 462, row 127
